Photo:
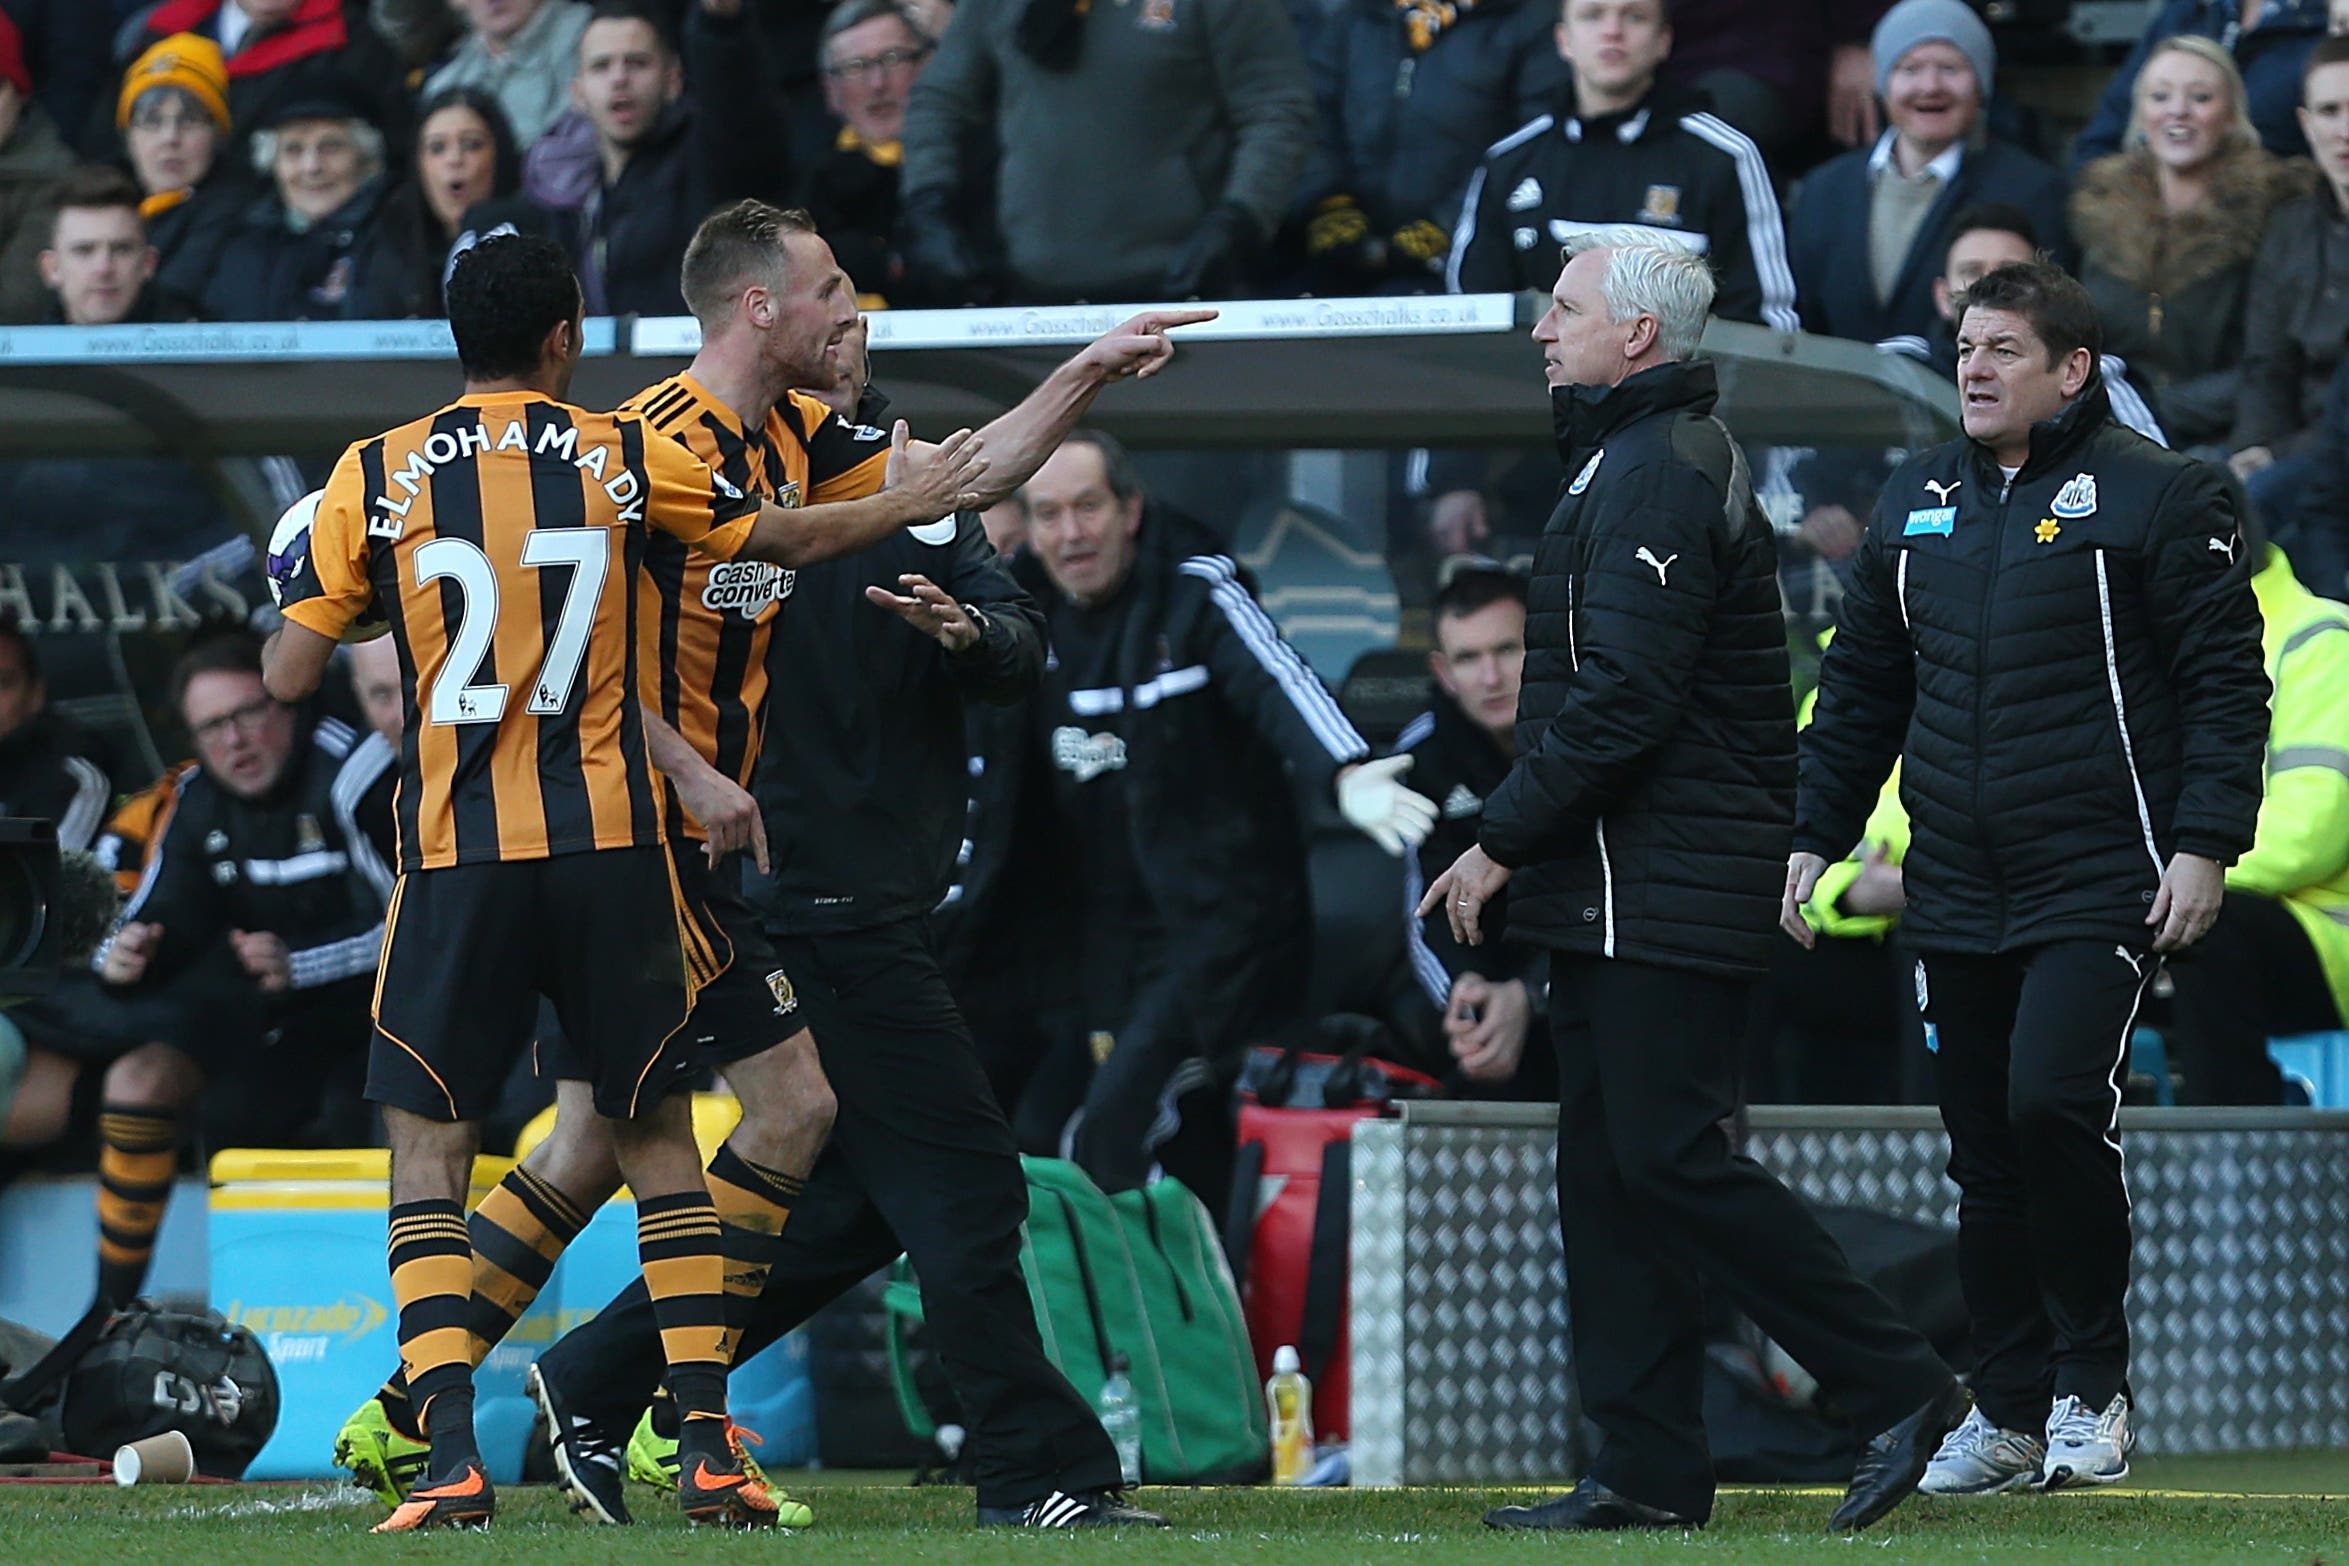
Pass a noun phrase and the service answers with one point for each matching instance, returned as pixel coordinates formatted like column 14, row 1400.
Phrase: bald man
column 375, row 677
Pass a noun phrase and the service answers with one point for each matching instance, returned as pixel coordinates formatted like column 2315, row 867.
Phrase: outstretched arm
column 925, row 483
column 1018, row 442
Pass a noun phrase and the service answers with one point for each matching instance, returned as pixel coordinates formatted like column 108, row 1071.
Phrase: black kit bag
column 152, row 1371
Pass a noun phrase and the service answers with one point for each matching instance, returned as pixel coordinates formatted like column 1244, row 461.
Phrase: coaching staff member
column 1169, row 727
column 1642, row 825
column 2051, row 622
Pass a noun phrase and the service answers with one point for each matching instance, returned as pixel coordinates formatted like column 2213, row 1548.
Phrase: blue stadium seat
column 2316, row 1062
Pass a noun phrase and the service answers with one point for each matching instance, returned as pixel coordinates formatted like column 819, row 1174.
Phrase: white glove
column 1391, row 815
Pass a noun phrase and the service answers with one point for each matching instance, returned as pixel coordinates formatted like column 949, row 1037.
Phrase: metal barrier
column 1461, row 1371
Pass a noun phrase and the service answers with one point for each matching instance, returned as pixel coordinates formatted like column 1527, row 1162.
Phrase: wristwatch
column 979, row 619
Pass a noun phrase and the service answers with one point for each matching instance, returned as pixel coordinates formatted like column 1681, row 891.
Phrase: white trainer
column 1979, row 1458
column 2085, row 1447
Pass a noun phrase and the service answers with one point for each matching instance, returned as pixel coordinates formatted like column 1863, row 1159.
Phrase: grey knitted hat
column 1913, row 22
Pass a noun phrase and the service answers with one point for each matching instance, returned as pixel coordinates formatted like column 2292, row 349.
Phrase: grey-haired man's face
column 1581, row 346
column 1077, row 525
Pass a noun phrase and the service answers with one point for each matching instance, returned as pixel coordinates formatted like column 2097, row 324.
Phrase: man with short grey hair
column 1640, row 833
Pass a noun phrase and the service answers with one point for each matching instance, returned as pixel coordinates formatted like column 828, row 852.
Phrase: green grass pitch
column 2185, row 1512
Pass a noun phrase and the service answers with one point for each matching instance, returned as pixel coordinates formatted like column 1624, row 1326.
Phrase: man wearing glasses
column 241, row 973
column 871, row 50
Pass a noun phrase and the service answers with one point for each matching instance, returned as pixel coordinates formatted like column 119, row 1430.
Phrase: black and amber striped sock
column 518, row 1232
column 432, row 1283
column 753, row 1203
column 677, row 1236
column 138, row 1153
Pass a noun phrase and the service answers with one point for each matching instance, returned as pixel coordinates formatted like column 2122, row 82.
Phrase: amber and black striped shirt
column 503, row 535
column 704, row 624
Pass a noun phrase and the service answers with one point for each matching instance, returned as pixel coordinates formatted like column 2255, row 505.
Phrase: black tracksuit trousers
column 1655, row 1204
column 2032, row 1047
column 921, row 1161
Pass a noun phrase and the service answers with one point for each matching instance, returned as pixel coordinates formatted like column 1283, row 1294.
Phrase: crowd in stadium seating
column 324, row 159
column 313, row 159
column 1835, row 160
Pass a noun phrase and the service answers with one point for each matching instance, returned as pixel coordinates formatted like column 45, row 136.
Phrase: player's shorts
column 746, row 1010
column 468, row 950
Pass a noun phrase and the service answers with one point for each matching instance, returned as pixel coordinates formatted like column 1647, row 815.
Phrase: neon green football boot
column 652, row 1461
column 378, row 1457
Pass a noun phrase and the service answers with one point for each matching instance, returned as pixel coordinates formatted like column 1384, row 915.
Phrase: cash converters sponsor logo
column 746, row 587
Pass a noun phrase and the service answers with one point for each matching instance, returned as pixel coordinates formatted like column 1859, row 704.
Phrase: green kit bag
column 1140, row 1274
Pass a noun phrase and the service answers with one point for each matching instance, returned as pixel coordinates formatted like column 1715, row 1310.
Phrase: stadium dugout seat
column 1324, row 581
column 1357, row 923
column 2316, row 1063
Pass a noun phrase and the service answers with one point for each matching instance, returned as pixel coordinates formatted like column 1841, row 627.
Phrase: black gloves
column 1052, row 33
column 1213, row 261
column 943, row 261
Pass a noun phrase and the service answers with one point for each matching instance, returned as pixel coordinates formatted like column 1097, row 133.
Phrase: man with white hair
column 1640, row 832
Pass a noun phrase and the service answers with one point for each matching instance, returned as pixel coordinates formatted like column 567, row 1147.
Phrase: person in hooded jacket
column 2050, row 624
column 644, row 164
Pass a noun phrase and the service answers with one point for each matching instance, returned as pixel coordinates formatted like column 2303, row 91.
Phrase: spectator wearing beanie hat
column 1935, row 67
column 277, row 51
column 33, row 157
column 173, row 115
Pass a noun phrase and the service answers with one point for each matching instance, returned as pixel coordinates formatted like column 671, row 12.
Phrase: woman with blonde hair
column 2168, row 228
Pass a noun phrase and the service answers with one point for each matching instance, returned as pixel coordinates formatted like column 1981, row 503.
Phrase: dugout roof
column 1290, row 373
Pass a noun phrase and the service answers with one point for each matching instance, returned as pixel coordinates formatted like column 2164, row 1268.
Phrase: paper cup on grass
column 160, row 1459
